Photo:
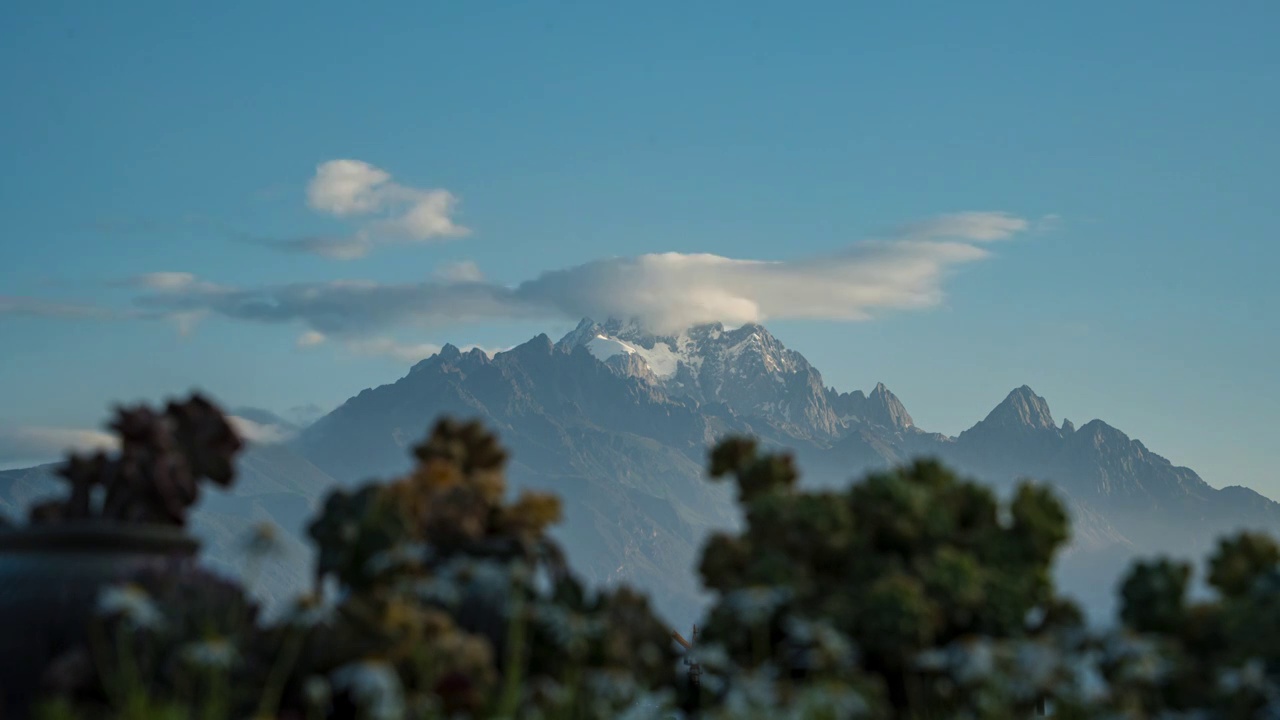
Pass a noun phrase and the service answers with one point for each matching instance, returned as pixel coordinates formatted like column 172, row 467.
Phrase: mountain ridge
column 640, row 395
column 617, row 421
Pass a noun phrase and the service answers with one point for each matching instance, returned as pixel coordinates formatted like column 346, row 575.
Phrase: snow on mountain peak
column 606, row 347
column 750, row 346
column 745, row 368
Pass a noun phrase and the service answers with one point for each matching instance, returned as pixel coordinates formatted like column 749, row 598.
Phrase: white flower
column 711, row 656
column 399, row 556
column 565, row 626
column 264, row 540
column 612, row 688
column 932, row 660
column 755, row 605
column 751, row 691
column 212, row 654
column 828, row 700
column 1087, row 680
column 439, row 589
column 316, row 691
column 827, row 645
column 490, row 580
column 375, row 686
column 974, row 661
column 1252, row 676
column 1267, row 585
column 1139, row 657
column 308, row 612
column 650, row 706
column 1036, row 662
column 131, row 603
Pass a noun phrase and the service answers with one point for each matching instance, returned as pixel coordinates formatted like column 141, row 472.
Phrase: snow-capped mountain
column 617, row 421
column 746, row 370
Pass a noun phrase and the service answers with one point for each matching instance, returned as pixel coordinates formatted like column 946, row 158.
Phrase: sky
column 285, row 203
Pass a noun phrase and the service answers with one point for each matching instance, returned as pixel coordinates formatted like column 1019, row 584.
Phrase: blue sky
column 166, row 137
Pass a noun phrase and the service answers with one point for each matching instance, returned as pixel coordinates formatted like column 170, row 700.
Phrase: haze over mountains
column 617, row 421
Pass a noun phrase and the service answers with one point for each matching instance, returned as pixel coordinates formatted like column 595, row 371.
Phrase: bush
column 911, row 594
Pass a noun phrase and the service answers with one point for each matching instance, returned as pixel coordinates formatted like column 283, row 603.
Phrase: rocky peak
column 580, row 335
column 1022, row 409
column 1019, row 433
column 746, row 368
column 540, row 345
column 1098, row 432
column 884, row 408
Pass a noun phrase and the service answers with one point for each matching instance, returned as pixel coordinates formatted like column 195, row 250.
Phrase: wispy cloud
column 45, row 444
column 407, row 353
column 37, row 308
column 34, row 444
column 465, row 271
column 668, row 291
column 259, row 432
column 974, row 226
column 172, row 281
column 385, row 347
column 310, row 339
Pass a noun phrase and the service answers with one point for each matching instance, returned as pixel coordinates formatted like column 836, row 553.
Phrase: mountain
column 617, row 420
column 745, row 370
column 625, row 457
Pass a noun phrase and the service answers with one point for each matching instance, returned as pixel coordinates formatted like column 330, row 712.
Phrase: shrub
column 913, row 593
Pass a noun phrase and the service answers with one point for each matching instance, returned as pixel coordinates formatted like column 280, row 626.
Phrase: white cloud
column 166, row 280
column 667, row 291
column 261, row 433
column 310, row 339
column 45, row 444
column 172, row 281
column 465, row 271
column 354, row 189
column 347, row 187
column 427, row 216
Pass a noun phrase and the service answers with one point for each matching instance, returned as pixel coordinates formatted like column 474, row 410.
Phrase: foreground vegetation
column 910, row 594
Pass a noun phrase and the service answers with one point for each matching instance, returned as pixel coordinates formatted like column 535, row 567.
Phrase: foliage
column 885, row 584
column 912, row 593
column 155, row 478
column 1220, row 656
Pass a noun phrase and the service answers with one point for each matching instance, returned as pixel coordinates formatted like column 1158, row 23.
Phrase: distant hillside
column 274, row 486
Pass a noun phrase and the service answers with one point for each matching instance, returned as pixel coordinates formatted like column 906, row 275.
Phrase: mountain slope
column 616, row 420
column 625, row 458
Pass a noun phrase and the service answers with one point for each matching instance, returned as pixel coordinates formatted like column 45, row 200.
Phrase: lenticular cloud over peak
column 668, row 292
